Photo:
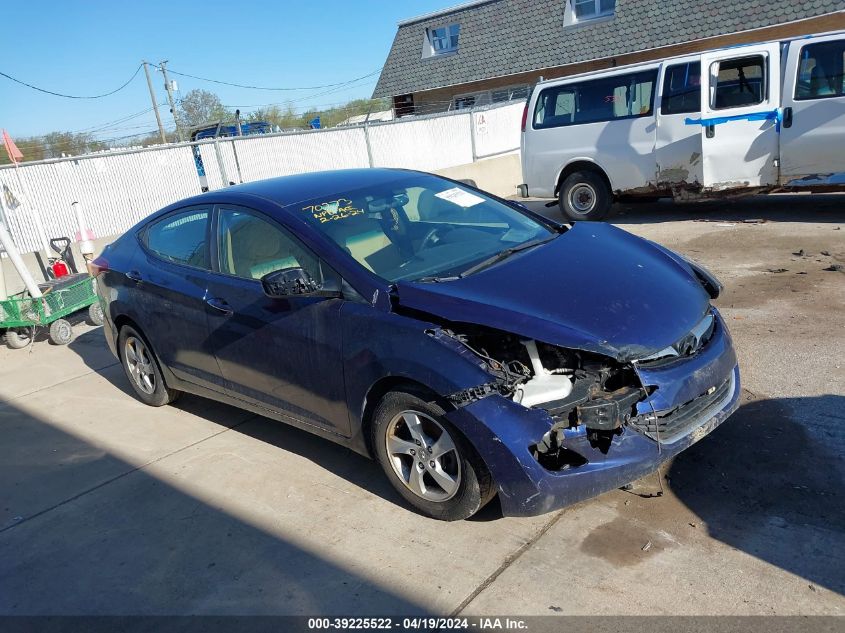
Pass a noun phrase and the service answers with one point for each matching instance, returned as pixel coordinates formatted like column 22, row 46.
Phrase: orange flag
column 11, row 149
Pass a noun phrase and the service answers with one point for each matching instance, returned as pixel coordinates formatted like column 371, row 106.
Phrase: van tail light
column 524, row 116
column 97, row 266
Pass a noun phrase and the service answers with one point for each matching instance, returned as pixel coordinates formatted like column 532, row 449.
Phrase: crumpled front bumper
column 502, row 431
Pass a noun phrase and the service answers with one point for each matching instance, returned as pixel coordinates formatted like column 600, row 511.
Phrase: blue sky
column 91, row 47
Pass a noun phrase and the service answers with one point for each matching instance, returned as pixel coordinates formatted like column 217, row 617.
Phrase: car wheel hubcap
column 582, row 198
column 139, row 365
column 423, row 456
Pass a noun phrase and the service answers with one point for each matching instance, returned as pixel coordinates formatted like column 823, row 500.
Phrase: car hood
column 595, row 288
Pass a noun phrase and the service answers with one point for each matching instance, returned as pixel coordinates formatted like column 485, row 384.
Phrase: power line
column 59, row 94
column 228, row 83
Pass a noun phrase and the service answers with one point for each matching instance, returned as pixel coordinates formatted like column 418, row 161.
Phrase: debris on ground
column 825, row 253
column 776, row 270
column 800, row 253
column 812, row 587
column 835, row 268
column 557, row 609
column 647, row 546
column 693, row 524
column 755, row 221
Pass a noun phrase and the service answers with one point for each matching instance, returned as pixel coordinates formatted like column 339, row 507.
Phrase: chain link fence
column 119, row 188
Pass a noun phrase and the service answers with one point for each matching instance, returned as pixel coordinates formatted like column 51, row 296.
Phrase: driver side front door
column 281, row 354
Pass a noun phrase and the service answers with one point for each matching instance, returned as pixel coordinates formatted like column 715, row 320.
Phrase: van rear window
column 604, row 99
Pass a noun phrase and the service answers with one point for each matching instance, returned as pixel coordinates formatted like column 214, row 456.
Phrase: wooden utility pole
column 169, row 87
column 155, row 105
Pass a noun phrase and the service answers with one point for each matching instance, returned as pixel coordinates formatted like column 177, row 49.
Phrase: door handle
column 219, row 305
column 787, row 117
column 134, row 275
column 710, row 131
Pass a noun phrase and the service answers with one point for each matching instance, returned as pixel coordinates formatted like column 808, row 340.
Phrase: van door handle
column 134, row 275
column 787, row 116
column 710, row 131
column 219, row 305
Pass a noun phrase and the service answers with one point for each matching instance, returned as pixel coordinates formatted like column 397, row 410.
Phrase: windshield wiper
column 437, row 279
column 495, row 259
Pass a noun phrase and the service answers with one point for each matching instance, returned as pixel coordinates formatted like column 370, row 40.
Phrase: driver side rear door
column 282, row 354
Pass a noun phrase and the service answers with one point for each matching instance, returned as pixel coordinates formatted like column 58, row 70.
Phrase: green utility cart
column 22, row 314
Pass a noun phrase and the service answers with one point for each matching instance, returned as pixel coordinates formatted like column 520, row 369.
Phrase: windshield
column 421, row 227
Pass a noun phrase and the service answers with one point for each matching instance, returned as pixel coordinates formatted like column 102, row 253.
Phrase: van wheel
column 584, row 195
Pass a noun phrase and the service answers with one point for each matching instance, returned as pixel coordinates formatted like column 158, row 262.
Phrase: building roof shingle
column 506, row 37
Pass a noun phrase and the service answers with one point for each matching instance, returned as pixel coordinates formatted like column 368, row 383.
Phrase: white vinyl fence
column 117, row 189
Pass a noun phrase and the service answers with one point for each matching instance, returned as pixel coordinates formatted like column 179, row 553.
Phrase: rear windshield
column 420, row 226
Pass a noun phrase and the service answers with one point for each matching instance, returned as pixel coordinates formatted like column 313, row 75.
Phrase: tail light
column 524, row 116
column 97, row 266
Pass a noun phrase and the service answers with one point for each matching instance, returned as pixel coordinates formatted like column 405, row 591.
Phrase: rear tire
column 427, row 460
column 585, row 195
column 141, row 368
column 61, row 332
column 18, row 339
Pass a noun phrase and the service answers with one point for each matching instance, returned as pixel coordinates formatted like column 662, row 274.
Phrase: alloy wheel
column 139, row 364
column 423, row 455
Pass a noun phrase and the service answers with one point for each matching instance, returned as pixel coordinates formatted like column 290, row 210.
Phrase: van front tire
column 585, row 195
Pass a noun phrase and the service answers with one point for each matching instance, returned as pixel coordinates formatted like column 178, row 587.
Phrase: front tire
column 142, row 370
column 585, row 195
column 427, row 460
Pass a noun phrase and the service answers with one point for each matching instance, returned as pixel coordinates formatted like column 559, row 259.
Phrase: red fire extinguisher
column 60, row 269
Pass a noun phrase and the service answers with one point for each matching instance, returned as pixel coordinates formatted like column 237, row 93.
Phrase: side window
column 605, row 99
column 820, row 71
column 739, row 82
column 181, row 238
column 250, row 247
column 681, row 89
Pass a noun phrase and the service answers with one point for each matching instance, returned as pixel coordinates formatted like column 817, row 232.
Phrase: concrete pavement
column 111, row 507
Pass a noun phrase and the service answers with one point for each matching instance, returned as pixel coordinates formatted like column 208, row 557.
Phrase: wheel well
column 384, row 385
column 581, row 165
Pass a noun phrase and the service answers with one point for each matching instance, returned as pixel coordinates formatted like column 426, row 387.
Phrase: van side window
column 820, row 71
column 681, row 89
column 739, row 82
column 605, row 99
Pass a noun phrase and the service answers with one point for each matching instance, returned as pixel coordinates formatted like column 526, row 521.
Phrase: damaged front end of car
column 564, row 424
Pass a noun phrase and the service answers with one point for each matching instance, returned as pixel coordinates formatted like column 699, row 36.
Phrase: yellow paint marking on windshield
column 333, row 210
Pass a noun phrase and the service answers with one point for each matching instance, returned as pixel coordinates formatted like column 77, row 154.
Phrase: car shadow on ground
column 86, row 533
column 347, row 464
column 821, row 208
column 769, row 482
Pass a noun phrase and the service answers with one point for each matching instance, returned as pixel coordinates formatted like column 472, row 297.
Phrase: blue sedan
column 472, row 347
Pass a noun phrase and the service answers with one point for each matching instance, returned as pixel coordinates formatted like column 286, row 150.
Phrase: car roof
column 287, row 190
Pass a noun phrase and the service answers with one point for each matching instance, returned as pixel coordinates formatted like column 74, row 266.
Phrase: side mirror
column 296, row 282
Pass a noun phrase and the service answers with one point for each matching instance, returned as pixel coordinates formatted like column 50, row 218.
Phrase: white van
column 763, row 117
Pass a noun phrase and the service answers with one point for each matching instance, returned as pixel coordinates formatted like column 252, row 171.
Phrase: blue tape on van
column 770, row 115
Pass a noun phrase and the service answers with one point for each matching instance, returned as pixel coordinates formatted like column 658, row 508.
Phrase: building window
column 579, row 11
column 441, row 40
